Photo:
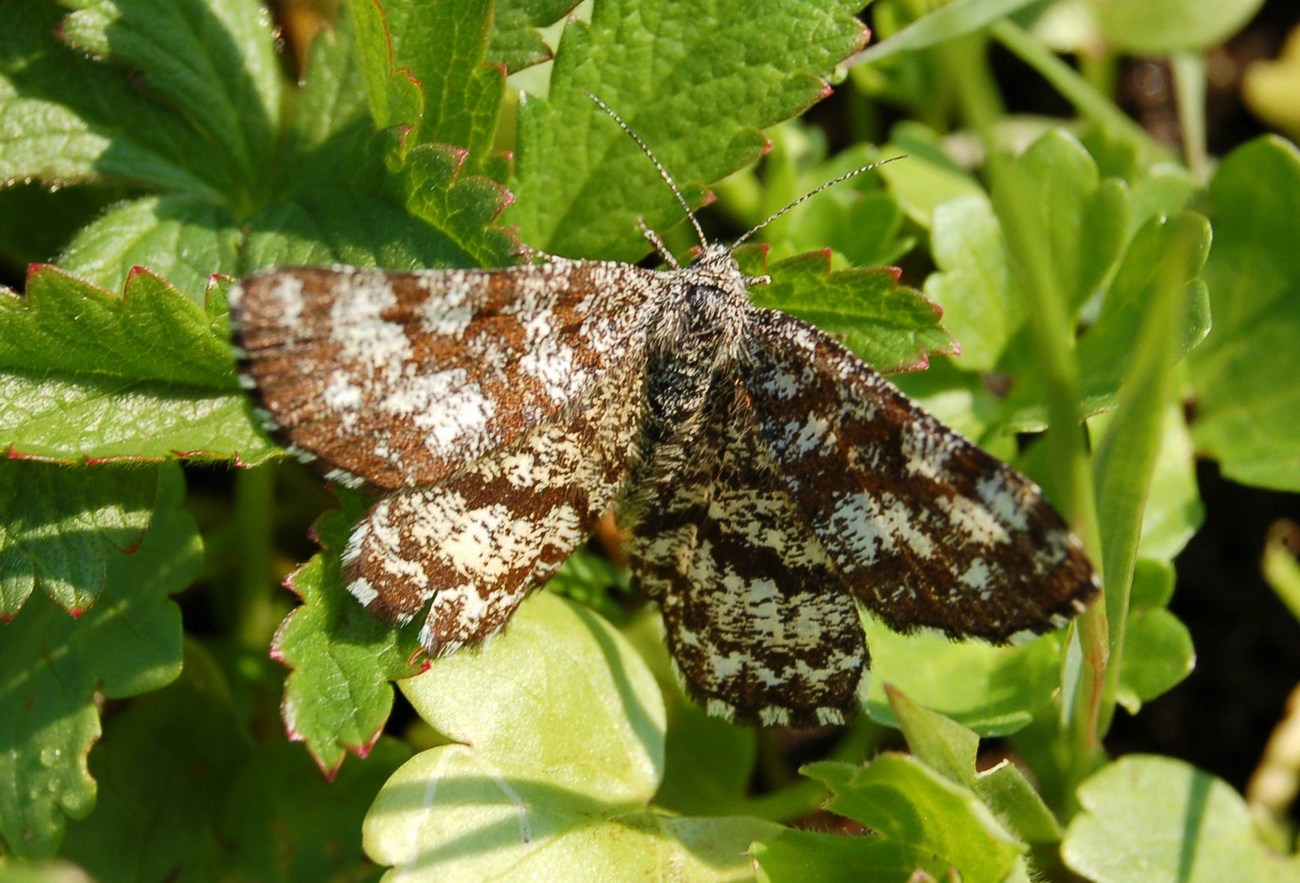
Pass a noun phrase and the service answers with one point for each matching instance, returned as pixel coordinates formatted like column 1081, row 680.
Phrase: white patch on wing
column 855, row 518
column 972, row 520
column 288, row 291
column 1003, row 500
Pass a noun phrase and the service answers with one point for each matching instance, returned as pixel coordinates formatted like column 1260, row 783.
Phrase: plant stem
column 254, row 500
column 1087, row 101
column 1189, row 87
column 1053, row 335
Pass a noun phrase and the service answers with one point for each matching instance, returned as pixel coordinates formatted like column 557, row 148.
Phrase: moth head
column 716, row 266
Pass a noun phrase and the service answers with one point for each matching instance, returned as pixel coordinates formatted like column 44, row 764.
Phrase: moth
column 772, row 481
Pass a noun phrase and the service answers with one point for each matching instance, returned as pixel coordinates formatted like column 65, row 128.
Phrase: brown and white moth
column 771, row 479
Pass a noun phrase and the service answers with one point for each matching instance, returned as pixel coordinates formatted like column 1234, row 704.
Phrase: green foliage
column 496, row 789
column 128, row 643
column 91, row 376
column 338, row 695
column 704, row 119
column 1135, row 824
column 1070, row 283
column 1249, row 421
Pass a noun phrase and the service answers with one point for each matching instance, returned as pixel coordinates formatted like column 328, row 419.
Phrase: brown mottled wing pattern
column 926, row 529
column 477, row 542
column 411, row 375
column 501, row 406
column 760, row 625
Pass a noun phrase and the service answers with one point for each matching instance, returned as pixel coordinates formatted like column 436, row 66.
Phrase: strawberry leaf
column 127, row 643
column 89, row 375
column 184, row 239
column 60, row 529
column 515, row 40
column 211, row 62
column 890, row 326
column 444, row 45
column 338, row 694
column 702, row 120
column 65, row 118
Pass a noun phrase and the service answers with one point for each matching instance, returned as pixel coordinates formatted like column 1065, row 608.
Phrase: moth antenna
column 663, row 172
column 658, row 243
column 809, row 195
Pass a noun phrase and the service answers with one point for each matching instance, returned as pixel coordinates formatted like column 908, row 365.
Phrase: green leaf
column 702, row 121
column 462, row 207
column 950, row 749
column 1158, row 652
column 1245, row 418
column 954, row 19
column 1006, row 791
column 330, row 136
column 394, row 95
column 183, row 239
column 905, row 802
column 599, row 697
column 1162, row 27
column 337, row 697
column 855, row 218
column 286, row 822
column 129, row 642
column 515, row 40
column 557, row 730
column 66, row 119
column 1153, row 584
column 832, row 858
column 940, row 743
column 594, row 581
column 355, row 197
column 1158, row 655
column 350, row 228
column 84, row 374
column 1168, row 253
column 183, row 784
column 1084, row 219
column 972, row 283
column 1165, row 248
column 164, row 768
column 60, row 528
column 992, row 690
column 1154, row 819
column 1127, row 453
column 443, row 44
column 1083, row 225
column 708, row 761
column 1163, row 190
column 211, row 60
column 1173, row 511
column 925, row 176
column 152, row 332
column 890, row 326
